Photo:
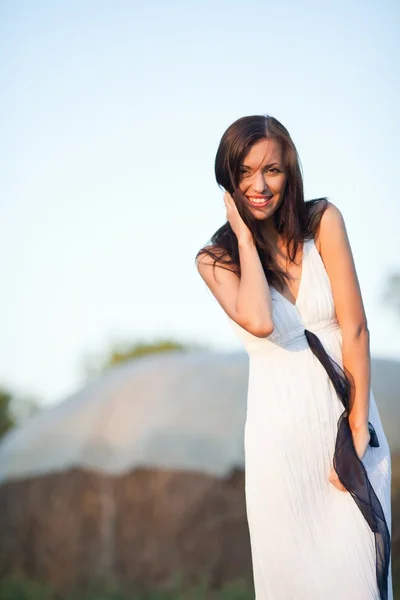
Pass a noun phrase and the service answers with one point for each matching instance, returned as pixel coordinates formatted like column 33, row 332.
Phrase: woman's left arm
column 337, row 256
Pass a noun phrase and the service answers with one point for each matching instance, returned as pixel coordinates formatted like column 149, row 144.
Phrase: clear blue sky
column 111, row 113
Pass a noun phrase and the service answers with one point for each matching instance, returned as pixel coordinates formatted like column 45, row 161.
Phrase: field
column 16, row 588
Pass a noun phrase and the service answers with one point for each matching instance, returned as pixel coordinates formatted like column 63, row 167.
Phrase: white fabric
column 309, row 540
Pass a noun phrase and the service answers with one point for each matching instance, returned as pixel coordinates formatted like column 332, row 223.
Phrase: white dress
column 309, row 541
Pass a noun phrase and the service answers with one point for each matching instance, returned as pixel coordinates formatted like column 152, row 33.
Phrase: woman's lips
column 257, row 202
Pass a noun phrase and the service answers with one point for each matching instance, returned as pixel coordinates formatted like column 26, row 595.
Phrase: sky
column 111, row 115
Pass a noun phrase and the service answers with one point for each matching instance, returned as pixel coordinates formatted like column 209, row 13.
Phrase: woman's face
column 262, row 178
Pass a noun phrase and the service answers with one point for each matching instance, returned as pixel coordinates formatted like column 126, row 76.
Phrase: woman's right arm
column 246, row 300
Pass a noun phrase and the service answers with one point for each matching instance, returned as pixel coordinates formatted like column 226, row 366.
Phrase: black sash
column 350, row 469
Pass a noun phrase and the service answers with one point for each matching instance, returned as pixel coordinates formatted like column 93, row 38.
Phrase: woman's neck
column 270, row 235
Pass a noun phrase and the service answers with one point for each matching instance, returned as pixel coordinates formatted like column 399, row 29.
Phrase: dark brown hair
column 295, row 219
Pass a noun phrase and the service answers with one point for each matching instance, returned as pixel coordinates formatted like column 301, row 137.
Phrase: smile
column 259, row 201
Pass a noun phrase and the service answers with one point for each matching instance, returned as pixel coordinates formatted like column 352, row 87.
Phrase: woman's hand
column 239, row 227
column 334, row 479
column 361, row 437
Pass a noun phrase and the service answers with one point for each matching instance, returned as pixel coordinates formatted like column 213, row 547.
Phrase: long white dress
column 309, row 541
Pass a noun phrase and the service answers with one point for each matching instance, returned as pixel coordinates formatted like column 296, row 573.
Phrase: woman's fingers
column 334, row 479
column 229, row 200
column 236, row 222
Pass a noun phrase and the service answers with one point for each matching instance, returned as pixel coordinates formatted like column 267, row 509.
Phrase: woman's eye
column 277, row 170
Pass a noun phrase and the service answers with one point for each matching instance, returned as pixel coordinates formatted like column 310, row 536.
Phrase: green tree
column 6, row 419
column 23, row 407
column 15, row 409
column 124, row 351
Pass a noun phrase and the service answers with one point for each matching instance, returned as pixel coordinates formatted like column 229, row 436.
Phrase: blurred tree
column 6, row 420
column 23, row 407
column 122, row 352
column 14, row 409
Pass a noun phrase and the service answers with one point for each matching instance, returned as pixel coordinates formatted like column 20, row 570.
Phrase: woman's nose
column 259, row 183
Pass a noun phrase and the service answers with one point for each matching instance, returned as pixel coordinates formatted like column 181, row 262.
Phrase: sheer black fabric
column 350, row 469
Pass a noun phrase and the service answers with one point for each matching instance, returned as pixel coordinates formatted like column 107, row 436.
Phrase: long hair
column 295, row 219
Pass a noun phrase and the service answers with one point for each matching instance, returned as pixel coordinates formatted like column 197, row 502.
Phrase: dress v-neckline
column 303, row 262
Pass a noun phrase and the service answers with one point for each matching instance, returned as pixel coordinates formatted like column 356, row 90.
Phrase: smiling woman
column 263, row 184
column 317, row 460
column 253, row 166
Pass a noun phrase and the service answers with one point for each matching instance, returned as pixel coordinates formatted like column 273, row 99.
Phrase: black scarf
column 350, row 469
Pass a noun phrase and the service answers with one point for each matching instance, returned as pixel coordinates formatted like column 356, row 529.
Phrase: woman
column 317, row 462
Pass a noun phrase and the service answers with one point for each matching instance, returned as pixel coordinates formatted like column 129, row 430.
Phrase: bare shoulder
column 332, row 216
column 321, row 212
column 205, row 257
column 332, row 233
column 211, row 258
column 337, row 256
